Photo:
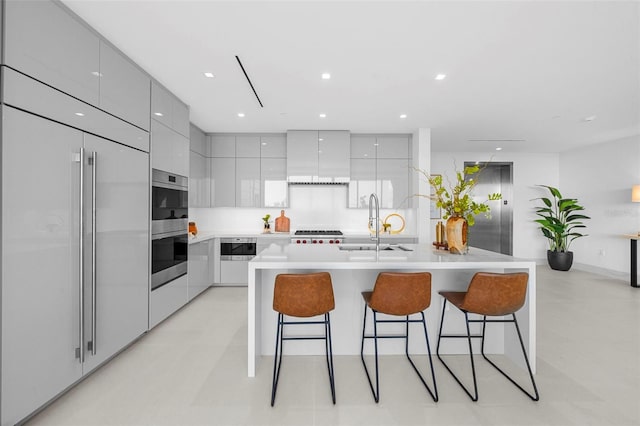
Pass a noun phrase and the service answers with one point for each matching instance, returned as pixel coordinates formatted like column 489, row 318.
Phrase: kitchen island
column 354, row 270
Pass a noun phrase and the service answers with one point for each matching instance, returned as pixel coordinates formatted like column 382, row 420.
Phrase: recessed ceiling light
column 498, row 149
column 79, row 114
column 590, row 118
column 209, row 74
column 326, row 76
column 96, row 73
column 441, row 76
column 264, row 144
column 241, row 114
column 159, row 114
column 403, row 115
column 320, row 139
column 323, row 115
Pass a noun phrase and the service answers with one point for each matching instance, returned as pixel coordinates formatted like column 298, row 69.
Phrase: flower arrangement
column 457, row 200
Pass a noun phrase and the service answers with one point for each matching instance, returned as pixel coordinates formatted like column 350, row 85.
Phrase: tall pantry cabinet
column 75, row 206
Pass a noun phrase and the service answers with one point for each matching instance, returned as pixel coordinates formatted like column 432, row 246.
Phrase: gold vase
column 457, row 234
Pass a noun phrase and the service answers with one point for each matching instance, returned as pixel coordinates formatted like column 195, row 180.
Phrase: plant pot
column 560, row 260
column 456, row 230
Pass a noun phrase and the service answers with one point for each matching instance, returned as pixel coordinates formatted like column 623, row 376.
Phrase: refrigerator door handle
column 80, row 354
column 94, row 157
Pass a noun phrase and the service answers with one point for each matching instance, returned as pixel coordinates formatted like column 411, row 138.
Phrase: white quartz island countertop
column 354, row 270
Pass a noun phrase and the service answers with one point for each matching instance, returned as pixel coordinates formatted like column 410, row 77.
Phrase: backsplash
column 311, row 207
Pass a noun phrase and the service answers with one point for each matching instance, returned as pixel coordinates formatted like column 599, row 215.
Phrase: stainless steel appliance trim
column 81, row 259
column 238, row 258
column 169, row 226
column 165, row 276
column 169, row 180
column 238, row 240
column 182, row 232
column 94, row 173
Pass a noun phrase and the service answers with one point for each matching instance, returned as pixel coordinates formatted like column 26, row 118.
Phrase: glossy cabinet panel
column 248, row 146
column 199, row 264
column 248, row 182
column 28, row 94
column 124, row 89
column 167, row 299
column 363, row 146
column 273, row 179
column 199, row 181
column 197, row 140
column 363, row 182
column 393, row 181
column 45, row 42
column 302, row 155
column 169, row 150
column 122, row 246
column 273, row 146
column 223, row 146
column 223, row 182
column 40, row 252
column 333, row 155
column 180, row 117
column 393, row 146
column 161, row 105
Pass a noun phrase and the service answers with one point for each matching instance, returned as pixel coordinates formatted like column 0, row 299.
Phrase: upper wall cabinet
column 45, row 42
column 380, row 164
column 318, row 156
column 48, row 43
column 124, row 89
column 169, row 110
column 199, row 175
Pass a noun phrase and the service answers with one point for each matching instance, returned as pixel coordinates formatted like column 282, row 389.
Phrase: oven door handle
column 170, row 234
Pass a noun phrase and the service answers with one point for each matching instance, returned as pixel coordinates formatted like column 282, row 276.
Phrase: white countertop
column 423, row 255
column 207, row 235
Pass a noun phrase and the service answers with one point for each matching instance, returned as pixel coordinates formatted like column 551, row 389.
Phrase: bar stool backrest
column 496, row 294
column 401, row 293
column 303, row 295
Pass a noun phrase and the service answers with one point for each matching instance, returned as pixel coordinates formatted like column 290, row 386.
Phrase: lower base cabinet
column 167, row 299
column 200, row 267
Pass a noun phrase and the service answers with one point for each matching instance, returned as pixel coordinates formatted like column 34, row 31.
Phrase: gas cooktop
column 317, row 232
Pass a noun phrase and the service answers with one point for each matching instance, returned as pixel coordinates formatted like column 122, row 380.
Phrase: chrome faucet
column 375, row 221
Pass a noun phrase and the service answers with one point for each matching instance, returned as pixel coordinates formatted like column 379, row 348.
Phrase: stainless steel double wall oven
column 169, row 227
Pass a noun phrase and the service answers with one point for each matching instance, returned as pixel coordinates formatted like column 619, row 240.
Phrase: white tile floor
column 191, row 370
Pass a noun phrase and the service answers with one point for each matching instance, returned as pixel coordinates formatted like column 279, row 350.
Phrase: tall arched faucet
column 373, row 198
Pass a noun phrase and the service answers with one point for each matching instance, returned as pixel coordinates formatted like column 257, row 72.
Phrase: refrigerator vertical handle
column 94, row 174
column 81, row 260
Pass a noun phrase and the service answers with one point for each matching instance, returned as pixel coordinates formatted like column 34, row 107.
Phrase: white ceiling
column 527, row 73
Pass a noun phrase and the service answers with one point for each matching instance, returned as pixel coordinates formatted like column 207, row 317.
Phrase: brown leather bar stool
column 303, row 296
column 494, row 295
column 399, row 294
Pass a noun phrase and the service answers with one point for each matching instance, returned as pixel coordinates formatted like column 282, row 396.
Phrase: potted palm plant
column 559, row 220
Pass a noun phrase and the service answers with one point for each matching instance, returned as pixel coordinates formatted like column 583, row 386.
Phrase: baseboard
column 602, row 271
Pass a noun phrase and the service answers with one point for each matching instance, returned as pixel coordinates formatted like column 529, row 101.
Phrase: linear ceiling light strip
column 249, row 80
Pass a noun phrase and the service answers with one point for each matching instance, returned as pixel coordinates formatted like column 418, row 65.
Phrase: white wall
column 528, row 170
column 600, row 177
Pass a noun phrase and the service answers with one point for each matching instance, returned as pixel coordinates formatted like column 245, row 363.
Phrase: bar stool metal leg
column 329, row 355
column 534, row 397
column 474, row 396
column 277, row 360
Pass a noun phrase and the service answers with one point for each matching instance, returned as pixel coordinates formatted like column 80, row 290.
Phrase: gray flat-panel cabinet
column 199, row 264
column 223, row 183
column 122, row 246
column 273, row 146
column 44, row 41
column 40, row 252
column 161, row 105
column 199, row 182
column 248, row 146
column 363, row 182
column 333, row 155
column 273, row 180
column 169, row 149
column 124, row 89
column 302, row 155
column 393, row 183
column 48, row 271
column 248, row 182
